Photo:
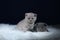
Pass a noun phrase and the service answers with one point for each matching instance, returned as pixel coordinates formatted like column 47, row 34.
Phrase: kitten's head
column 41, row 27
column 30, row 17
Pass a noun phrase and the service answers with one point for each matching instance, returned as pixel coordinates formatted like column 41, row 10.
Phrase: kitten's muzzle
column 30, row 22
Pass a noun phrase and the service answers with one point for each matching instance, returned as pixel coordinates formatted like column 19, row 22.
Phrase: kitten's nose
column 30, row 19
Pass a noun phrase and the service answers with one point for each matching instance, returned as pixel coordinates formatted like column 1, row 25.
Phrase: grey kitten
column 40, row 27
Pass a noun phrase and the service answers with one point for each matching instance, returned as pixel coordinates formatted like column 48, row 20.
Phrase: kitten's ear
column 25, row 14
column 46, row 25
column 35, row 15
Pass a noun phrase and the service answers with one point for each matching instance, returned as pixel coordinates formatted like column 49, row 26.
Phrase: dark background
column 47, row 10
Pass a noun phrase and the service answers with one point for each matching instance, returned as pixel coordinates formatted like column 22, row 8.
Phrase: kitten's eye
column 28, row 18
column 32, row 18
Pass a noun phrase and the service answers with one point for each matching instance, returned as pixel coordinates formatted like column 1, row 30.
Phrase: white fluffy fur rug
column 9, row 32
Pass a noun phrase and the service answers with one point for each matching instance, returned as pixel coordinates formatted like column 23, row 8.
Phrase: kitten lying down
column 40, row 27
column 28, row 22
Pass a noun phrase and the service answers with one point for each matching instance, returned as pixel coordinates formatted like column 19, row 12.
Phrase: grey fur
column 40, row 27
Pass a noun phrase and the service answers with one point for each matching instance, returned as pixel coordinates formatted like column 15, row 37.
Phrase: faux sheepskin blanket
column 10, row 32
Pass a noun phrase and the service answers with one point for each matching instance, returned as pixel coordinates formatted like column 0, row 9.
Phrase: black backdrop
column 47, row 10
